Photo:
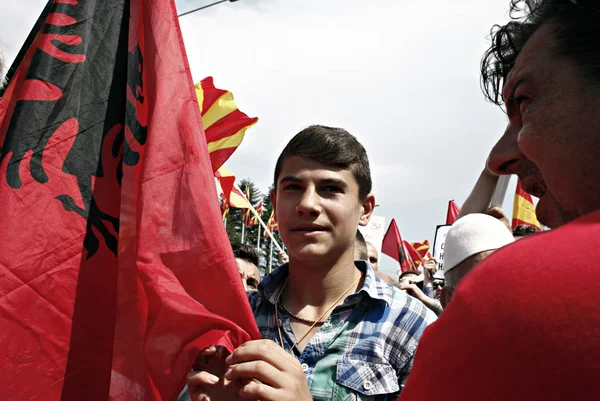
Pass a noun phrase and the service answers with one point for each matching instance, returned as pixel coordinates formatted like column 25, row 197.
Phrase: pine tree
column 235, row 221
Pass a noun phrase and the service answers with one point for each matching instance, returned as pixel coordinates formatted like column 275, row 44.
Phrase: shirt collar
column 373, row 287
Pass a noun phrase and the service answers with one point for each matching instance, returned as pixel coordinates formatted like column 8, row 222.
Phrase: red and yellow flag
column 247, row 214
column 271, row 224
column 231, row 192
column 224, row 125
column 224, row 208
column 259, row 211
column 423, row 249
column 523, row 209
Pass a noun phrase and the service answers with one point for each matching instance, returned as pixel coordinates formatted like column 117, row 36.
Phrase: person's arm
column 414, row 291
column 481, row 195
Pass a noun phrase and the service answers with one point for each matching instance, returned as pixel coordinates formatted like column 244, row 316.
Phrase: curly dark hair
column 576, row 36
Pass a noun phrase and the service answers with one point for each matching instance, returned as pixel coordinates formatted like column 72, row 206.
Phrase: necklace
column 314, row 323
column 301, row 319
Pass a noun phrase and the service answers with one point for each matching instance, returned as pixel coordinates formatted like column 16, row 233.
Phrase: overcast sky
column 403, row 77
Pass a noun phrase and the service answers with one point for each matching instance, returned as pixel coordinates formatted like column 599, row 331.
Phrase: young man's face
column 248, row 273
column 373, row 256
column 318, row 209
column 552, row 140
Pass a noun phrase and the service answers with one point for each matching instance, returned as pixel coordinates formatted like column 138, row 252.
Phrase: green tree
column 235, row 222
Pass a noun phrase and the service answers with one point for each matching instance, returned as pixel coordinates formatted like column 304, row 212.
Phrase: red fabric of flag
column 115, row 268
column 413, row 256
column 393, row 246
column 453, row 211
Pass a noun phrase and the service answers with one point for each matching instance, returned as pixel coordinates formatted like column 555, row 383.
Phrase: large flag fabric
column 231, row 191
column 393, row 246
column 271, row 224
column 224, row 125
column 453, row 211
column 524, row 210
column 115, row 267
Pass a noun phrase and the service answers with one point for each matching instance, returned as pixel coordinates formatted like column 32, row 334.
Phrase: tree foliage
column 235, row 222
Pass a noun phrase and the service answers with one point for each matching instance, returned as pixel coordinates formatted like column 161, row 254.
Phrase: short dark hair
column 245, row 252
column 361, row 246
column 576, row 36
column 523, row 230
column 333, row 146
column 406, row 273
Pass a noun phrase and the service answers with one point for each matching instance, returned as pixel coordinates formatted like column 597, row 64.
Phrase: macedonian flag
column 224, row 125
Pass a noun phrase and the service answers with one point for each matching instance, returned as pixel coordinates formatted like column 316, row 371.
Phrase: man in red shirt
column 525, row 325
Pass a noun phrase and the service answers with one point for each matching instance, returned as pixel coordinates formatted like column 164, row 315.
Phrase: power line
column 206, row 6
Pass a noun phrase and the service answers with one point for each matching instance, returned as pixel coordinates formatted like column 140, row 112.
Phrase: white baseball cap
column 472, row 234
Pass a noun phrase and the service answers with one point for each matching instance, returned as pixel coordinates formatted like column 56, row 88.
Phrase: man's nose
column 505, row 155
column 309, row 202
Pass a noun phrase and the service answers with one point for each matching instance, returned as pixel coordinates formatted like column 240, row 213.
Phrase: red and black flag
column 394, row 247
column 115, row 268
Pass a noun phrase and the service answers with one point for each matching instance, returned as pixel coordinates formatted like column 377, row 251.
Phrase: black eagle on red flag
column 110, row 212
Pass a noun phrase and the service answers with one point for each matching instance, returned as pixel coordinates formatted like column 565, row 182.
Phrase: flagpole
column 271, row 257
column 500, row 191
column 243, row 226
column 264, row 226
column 258, row 240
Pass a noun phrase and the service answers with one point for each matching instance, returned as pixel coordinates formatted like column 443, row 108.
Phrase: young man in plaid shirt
column 332, row 329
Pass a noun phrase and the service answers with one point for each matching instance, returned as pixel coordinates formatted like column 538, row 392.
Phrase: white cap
column 439, row 274
column 472, row 234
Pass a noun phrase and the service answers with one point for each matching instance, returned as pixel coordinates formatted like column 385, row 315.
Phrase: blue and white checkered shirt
column 364, row 350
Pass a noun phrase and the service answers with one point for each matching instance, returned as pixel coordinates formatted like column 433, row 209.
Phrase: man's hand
column 268, row 373
column 283, row 257
column 412, row 290
column 207, row 382
column 429, row 269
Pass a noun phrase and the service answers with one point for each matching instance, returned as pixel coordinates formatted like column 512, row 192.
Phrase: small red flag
column 453, row 211
column 115, row 267
column 271, row 224
column 414, row 256
column 393, row 246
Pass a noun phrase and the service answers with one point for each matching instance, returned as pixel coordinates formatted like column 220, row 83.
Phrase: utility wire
column 203, row 7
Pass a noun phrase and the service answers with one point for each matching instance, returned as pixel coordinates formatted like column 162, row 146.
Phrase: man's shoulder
column 569, row 245
column 403, row 309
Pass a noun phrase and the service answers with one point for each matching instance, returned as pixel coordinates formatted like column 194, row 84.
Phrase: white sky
column 403, row 77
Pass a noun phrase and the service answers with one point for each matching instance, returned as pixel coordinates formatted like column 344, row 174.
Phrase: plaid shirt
column 363, row 351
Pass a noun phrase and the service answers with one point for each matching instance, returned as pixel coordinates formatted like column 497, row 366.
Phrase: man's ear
column 446, row 296
column 368, row 204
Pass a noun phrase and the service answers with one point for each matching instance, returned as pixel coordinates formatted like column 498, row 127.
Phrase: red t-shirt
column 523, row 325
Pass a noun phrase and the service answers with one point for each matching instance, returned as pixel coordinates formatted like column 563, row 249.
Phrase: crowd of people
column 513, row 315
column 518, row 317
